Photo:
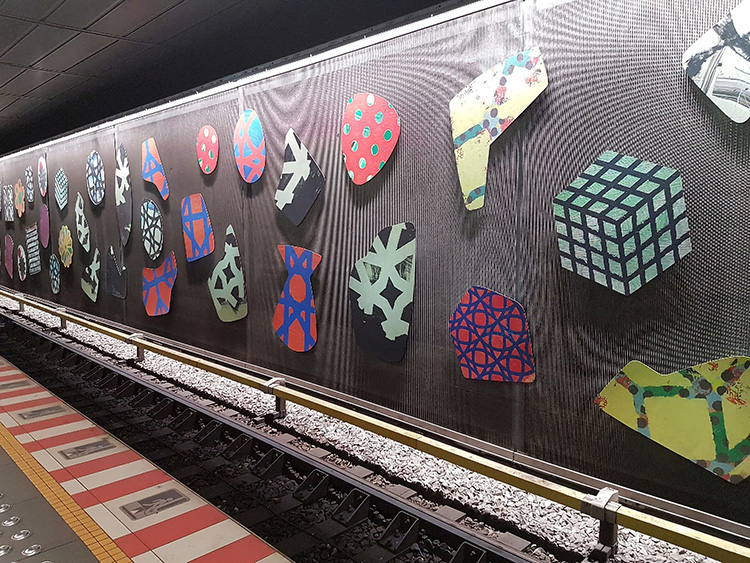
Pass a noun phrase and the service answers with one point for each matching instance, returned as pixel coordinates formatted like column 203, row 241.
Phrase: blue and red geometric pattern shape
column 294, row 319
column 249, row 146
column 196, row 228
column 491, row 337
column 153, row 169
column 157, row 287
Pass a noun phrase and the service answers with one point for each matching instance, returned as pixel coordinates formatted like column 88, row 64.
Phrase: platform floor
column 79, row 494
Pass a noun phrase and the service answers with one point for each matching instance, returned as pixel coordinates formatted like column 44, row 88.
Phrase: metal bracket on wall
column 603, row 507
column 271, row 384
column 140, row 353
column 21, row 304
column 63, row 321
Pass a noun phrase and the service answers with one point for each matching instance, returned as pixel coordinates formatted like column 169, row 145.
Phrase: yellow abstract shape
column 484, row 109
column 684, row 424
column 701, row 412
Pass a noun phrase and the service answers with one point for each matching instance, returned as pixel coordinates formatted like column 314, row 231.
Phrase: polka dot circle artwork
column 65, row 246
column 249, row 147
column 54, row 274
column 95, row 178
column 369, row 134
column 207, row 149
column 22, row 263
column 42, row 173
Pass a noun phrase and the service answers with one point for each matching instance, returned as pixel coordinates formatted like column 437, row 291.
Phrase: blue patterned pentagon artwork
column 196, row 228
column 249, row 147
column 95, row 178
column 622, row 222
column 61, row 189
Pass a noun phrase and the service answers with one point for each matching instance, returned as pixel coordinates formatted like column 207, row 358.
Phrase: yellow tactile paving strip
column 100, row 544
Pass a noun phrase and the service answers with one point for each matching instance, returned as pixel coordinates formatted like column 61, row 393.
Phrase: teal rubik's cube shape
column 622, row 222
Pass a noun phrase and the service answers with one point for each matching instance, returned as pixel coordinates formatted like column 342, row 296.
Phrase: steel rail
column 685, row 536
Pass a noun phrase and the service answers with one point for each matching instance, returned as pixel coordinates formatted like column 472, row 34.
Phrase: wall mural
column 44, row 225
column 61, row 189
column 700, row 412
column 29, row 184
column 301, row 180
column 294, row 320
column 8, row 214
column 19, row 200
column 82, row 225
column 90, row 277
column 95, row 178
column 484, row 109
column 42, row 173
column 54, row 274
column 9, row 255
column 116, row 276
column 622, row 222
column 32, row 245
column 152, row 228
column 249, row 147
column 157, row 287
column 491, row 337
column 369, row 133
column 22, row 262
column 207, row 149
column 153, row 169
column 123, row 197
column 381, row 293
column 719, row 63
column 227, row 282
column 65, row 246
column 197, row 232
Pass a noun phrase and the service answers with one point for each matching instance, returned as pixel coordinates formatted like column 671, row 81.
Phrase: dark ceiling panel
column 11, row 31
column 26, row 81
column 80, row 13
column 74, row 51
column 180, row 18
column 41, row 41
column 8, row 72
column 5, row 101
column 32, row 9
column 130, row 15
column 20, row 107
column 58, row 85
column 99, row 63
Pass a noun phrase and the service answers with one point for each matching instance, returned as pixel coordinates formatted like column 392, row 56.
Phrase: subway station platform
column 71, row 492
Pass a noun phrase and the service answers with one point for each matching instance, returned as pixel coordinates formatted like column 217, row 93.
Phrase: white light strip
column 426, row 23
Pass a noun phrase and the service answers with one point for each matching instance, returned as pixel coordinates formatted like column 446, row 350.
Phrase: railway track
column 305, row 500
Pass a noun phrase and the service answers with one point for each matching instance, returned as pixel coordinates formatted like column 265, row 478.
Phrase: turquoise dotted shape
column 354, row 146
column 358, row 114
column 379, row 117
column 374, row 150
column 347, row 128
column 387, row 135
column 362, row 163
column 366, row 132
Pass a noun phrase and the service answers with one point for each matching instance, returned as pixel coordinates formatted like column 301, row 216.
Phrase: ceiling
column 65, row 64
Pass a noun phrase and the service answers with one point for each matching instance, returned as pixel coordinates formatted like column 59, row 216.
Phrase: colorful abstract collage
column 369, row 134
column 197, row 232
column 294, row 320
column 622, row 222
column 484, row 109
column 301, row 180
column 227, row 282
column 381, row 293
column 207, row 149
column 157, row 287
column 491, row 337
column 700, row 413
column 153, row 169
column 249, row 147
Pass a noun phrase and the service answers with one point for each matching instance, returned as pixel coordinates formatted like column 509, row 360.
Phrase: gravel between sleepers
column 551, row 522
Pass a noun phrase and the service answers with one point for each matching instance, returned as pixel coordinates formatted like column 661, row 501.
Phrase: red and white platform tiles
column 149, row 515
